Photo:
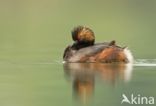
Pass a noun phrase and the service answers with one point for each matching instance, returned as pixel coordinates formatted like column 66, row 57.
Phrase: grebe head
column 83, row 37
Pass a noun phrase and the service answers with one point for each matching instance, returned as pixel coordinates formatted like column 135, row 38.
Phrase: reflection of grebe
column 83, row 75
column 84, row 50
column 82, row 79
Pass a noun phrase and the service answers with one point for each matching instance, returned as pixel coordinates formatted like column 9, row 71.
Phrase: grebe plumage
column 82, row 37
column 84, row 49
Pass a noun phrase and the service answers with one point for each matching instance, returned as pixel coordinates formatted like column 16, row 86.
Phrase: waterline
column 137, row 62
column 145, row 62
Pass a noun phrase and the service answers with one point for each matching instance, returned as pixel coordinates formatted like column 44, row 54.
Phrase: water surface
column 34, row 34
column 68, row 84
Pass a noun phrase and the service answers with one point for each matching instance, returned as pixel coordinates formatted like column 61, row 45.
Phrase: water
column 34, row 34
column 87, row 84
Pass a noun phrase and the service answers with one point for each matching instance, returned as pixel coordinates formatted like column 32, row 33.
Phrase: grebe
column 84, row 49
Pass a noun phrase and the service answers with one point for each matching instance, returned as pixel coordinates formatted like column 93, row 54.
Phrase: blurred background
column 34, row 34
column 42, row 28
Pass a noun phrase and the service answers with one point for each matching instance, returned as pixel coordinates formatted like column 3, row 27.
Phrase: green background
column 42, row 28
column 34, row 34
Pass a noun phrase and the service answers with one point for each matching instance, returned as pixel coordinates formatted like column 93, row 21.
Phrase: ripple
column 145, row 62
column 137, row 62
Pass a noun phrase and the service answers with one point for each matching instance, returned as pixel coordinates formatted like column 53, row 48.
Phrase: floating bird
column 84, row 49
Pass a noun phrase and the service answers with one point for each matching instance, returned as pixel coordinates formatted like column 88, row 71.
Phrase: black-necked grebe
column 85, row 50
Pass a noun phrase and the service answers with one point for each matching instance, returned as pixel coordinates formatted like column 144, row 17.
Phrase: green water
column 51, row 84
column 34, row 33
